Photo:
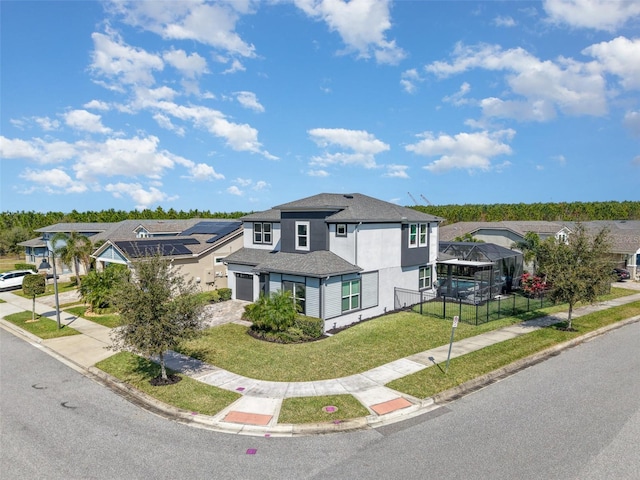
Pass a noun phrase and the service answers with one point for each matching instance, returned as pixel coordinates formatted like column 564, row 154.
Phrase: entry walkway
column 257, row 410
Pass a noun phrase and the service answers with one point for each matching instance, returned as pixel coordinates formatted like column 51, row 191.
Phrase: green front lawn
column 357, row 349
column 188, row 394
column 111, row 320
column 62, row 287
column 43, row 327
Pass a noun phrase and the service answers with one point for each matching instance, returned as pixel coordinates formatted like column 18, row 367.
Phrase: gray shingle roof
column 353, row 207
column 321, row 263
column 624, row 234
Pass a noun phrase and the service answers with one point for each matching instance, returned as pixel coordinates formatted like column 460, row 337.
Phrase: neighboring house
column 340, row 255
column 196, row 245
column 624, row 236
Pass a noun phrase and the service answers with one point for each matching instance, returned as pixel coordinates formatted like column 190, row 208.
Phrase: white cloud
column 632, row 122
column 621, row 57
column 240, row 137
column 260, row 185
column 210, row 24
column 469, row 151
column 128, row 65
column 458, row 98
column 243, row 182
column 17, row 148
column 97, row 105
column 236, row 66
column 507, row 21
column 364, row 147
column 318, row 173
column 143, row 198
column 47, row 124
column 202, row 171
column 597, row 14
column 54, row 180
column 575, row 88
column 129, row 157
column 165, row 122
column 189, row 65
column 560, row 159
column 38, row 150
column 85, row 121
column 249, row 100
column 409, row 79
column 397, row 171
column 362, row 25
column 233, row 190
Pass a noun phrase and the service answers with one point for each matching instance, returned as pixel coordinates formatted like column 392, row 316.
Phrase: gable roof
column 352, row 207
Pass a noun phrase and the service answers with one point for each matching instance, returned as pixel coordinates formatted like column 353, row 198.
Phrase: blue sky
column 243, row 105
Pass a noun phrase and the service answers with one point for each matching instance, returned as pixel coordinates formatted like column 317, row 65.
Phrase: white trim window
column 350, row 295
column 341, row 230
column 418, row 235
column 262, row 233
column 302, row 235
column 424, row 277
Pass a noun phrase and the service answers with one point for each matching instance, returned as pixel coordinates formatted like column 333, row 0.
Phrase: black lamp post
column 45, row 265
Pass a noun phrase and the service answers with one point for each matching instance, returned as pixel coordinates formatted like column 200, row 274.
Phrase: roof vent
column 348, row 196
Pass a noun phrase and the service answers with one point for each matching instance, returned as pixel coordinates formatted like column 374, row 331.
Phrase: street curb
column 478, row 383
column 421, row 406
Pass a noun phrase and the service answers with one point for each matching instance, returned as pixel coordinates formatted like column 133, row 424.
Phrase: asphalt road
column 575, row 416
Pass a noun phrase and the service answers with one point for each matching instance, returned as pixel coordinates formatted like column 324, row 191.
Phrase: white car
column 13, row 279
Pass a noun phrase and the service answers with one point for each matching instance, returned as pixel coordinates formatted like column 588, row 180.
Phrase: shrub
column 532, row 285
column 225, row 294
column 97, row 287
column 26, row 266
column 311, row 327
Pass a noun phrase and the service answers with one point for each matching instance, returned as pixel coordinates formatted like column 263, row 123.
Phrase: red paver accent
column 391, row 406
column 248, row 418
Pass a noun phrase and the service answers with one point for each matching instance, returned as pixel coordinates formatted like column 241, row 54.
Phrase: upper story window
column 341, row 230
column 418, row 234
column 562, row 237
column 262, row 233
column 142, row 233
column 302, row 235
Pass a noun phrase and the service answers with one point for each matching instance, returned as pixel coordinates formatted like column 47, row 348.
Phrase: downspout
column 355, row 253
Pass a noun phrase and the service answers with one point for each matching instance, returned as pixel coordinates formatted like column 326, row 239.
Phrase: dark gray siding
column 416, row 255
column 318, row 230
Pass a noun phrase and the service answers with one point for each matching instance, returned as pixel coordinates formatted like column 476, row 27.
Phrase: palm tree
column 75, row 248
column 529, row 246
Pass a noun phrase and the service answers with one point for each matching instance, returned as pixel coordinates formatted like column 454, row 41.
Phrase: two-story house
column 340, row 255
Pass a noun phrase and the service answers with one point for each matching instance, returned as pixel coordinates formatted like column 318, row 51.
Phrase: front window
column 298, row 293
column 423, row 234
column 302, row 235
column 341, row 230
column 262, row 233
column 413, row 235
column 350, row 295
column 424, row 277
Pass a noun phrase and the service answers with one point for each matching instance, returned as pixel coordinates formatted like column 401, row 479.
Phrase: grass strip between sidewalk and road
column 433, row 380
column 43, row 327
column 318, row 409
column 187, row 394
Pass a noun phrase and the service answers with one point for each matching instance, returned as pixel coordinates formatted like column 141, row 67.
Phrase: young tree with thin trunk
column 578, row 270
column 158, row 309
column 33, row 285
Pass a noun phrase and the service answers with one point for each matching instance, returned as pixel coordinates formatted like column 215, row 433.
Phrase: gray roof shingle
column 321, row 263
column 353, row 207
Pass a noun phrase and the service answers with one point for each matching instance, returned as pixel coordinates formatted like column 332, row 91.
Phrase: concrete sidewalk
column 257, row 410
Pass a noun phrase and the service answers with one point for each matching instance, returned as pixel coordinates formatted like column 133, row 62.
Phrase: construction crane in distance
column 426, row 201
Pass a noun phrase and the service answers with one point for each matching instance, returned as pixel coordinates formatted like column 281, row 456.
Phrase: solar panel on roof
column 169, row 246
column 217, row 228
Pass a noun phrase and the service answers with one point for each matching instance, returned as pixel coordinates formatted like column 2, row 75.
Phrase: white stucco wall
column 248, row 237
